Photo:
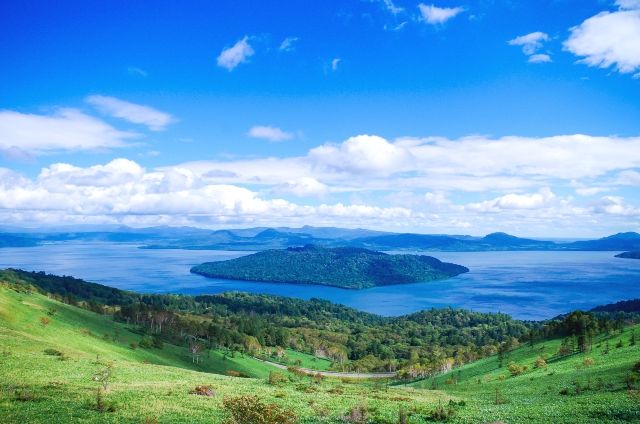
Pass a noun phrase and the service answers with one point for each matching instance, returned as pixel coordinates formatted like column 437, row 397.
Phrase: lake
column 526, row 285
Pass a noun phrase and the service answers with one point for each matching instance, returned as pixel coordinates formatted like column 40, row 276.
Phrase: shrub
column 441, row 413
column 515, row 369
column 588, row 362
column 234, row 373
column 540, row 363
column 52, row 352
column 44, row 321
column 24, row 395
column 203, row 390
column 499, row 400
column 251, row 410
column 146, row 343
column 102, row 405
column 636, row 367
column 619, row 344
column 357, row 415
column 630, row 380
column 276, row 378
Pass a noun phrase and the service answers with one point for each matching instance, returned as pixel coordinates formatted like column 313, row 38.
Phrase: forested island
column 345, row 267
column 629, row 255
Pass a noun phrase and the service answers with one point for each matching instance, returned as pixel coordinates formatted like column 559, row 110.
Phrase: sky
column 463, row 117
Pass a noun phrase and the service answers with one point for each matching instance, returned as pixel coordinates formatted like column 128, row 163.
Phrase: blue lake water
column 526, row 285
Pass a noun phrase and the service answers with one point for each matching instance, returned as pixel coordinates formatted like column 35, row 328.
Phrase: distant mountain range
column 629, row 255
column 263, row 238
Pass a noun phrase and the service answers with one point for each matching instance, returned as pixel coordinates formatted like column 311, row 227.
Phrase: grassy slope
column 147, row 384
column 535, row 395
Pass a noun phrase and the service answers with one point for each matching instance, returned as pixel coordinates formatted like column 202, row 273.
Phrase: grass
column 152, row 385
column 47, row 374
column 566, row 390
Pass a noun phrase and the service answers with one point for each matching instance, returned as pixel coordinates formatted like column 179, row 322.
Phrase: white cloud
column 590, row 191
column 628, row 4
column 334, row 64
column 360, row 154
column 122, row 191
column 270, row 133
column 608, row 39
column 65, row 130
column 531, row 42
column 615, row 205
column 468, row 164
column 542, row 199
column 287, row 44
column 233, row 56
column 302, row 187
column 539, row 58
column 438, row 15
column 391, row 7
column 154, row 119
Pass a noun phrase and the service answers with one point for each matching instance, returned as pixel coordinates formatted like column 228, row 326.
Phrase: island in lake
column 345, row 267
column 629, row 255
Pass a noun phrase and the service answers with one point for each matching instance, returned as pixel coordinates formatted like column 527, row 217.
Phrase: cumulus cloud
column 270, row 133
column 615, row 205
column 233, row 56
column 154, row 119
column 302, row 187
column 609, row 39
column 122, row 190
column 438, row 15
column 531, row 42
column 541, row 199
column 63, row 131
column 628, row 4
column 539, row 58
column 287, row 44
column 361, row 154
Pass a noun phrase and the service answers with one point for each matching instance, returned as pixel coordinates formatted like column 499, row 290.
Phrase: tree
column 195, row 348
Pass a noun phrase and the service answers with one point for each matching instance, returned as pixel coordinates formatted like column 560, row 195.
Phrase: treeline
column 417, row 345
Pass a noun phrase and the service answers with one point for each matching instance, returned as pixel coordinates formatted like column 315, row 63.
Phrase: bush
column 276, row 378
column 44, row 321
column 540, row 362
column 146, row 343
column 251, row 410
column 515, row 369
column 234, row 373
column 588, row 362
column 102, row 405
column 52, row 352
column 357, row 415
column 203, row 391
column 441, row 413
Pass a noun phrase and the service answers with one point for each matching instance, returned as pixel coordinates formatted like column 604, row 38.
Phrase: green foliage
column 252, row 410
column 344, row 267
column 515, row 369
column 276, row 378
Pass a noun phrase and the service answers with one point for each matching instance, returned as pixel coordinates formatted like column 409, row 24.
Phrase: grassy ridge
column 567, row 390
column 149, row 385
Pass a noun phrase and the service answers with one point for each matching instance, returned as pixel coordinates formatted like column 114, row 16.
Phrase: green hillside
column 346, row 267
column 54, row 358
column 594, row 386
column 150, row 385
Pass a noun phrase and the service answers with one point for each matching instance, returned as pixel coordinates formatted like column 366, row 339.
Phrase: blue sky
column 465, row 117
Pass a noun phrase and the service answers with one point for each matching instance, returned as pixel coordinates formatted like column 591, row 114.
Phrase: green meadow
column 54, row 356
